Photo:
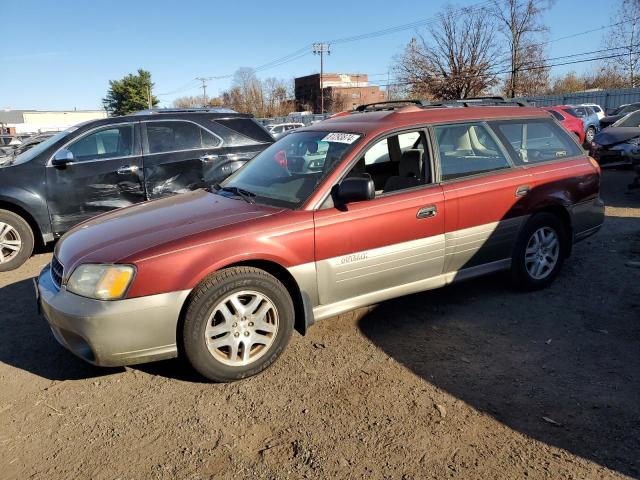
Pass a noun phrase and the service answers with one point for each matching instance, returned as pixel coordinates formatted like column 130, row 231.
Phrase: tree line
column 500, row 47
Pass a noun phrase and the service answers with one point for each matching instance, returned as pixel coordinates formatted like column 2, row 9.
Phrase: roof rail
column 154, row 111
column 388, row 105
column 491, row 100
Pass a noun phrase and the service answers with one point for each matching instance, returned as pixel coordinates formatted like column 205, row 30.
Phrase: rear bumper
column 114, row 333
column 587, row 218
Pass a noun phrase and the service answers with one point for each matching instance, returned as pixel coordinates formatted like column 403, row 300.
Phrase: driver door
column 105, row 173
column 382, row 246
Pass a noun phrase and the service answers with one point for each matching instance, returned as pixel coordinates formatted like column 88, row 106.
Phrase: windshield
column 41, row 147
column 628, row 109
column 630, row 120
column 287, row 173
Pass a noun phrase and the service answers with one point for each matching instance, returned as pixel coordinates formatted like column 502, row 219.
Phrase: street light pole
column 321, row 49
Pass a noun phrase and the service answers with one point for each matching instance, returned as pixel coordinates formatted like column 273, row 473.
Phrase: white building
column 34, row 121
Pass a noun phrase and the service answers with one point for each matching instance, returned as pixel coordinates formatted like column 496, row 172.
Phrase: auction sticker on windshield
column 341, row 137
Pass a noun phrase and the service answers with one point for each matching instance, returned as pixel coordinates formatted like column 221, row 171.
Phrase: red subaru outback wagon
column 385, row 201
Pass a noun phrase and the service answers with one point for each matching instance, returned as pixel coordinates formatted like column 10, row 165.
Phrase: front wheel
column 16, row 241
column 539, row 252
column 590, row 135
column 238, row 322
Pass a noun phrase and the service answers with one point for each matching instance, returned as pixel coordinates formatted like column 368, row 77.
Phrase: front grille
column 56, row 271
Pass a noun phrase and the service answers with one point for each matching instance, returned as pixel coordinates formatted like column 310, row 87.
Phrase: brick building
column 342, row 91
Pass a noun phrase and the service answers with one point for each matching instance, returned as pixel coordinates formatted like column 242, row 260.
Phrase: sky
column 60, row 55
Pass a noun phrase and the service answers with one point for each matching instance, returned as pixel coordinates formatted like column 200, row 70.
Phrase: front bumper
column 621, row 154
column 111, row 333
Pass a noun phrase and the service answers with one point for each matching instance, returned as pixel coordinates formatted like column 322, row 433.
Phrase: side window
column 172, row 136
column 556, row 115
column 537, row 140
column 111, row 142
column 396, row 163
column 468, row 150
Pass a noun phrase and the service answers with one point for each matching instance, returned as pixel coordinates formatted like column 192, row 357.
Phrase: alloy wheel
column 241, row 328
column 542, row 253
column 590, row 135
column 10, row 242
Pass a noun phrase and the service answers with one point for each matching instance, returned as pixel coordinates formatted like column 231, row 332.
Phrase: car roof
column 375, row 121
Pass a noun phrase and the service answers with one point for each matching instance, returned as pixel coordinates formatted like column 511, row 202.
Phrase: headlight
column 634, row 141
column 102, row 282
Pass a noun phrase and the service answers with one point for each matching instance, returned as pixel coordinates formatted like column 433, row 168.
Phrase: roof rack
column 388, row 105
column 491, row 100
column 464, row 102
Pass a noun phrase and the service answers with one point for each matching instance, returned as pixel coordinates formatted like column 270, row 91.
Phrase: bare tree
column 519, row 22
column 624, row 36
column 196, row 102
column 454, row 60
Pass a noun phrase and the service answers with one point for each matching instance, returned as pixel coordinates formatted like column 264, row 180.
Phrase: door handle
column 211, row 157
column 522, row 190
column 426, row 212
column 125, row 169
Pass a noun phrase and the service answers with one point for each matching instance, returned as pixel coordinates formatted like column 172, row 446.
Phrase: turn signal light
column 596, row 165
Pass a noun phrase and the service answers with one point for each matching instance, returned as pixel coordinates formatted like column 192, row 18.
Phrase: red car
column 571, row 123
column 380, row 203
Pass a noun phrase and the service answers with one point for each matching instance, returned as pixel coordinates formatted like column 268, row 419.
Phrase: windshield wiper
column 246, row 195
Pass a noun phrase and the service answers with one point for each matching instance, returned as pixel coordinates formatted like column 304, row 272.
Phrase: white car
column 279, row 129
column 597, row 108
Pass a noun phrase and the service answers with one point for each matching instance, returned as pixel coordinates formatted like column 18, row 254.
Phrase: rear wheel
column 238, row 322
column 16, row 241
column 539, row 252
column 590, row 135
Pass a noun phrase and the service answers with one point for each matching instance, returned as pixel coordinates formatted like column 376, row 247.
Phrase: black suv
column 114, row 162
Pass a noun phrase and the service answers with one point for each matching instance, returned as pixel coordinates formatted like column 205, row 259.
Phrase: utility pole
column 321, row 49
column 204, row 89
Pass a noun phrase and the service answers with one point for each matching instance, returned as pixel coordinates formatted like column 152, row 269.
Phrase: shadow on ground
column 560, row 365
column 27, row 343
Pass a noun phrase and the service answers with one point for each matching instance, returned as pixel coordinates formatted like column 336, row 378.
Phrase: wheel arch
column 27, row 216
column 301, row 303
column 562, row 213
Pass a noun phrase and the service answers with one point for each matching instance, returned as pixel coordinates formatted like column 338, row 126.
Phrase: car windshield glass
column 628, row 109
column 287, row 173
column 573, row 112
column 630, row 120
column 41, row 147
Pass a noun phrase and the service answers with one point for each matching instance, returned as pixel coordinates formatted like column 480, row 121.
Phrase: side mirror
column 62, row 158
column 354, row 189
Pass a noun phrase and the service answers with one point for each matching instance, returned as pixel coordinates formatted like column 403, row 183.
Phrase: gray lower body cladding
column 112, row 333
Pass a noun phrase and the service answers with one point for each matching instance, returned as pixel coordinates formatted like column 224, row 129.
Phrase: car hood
column 123, row 233
column 613, row 135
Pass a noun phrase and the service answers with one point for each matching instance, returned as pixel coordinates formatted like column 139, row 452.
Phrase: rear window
column 556, row 115
column 246, row 127
column 535, row 141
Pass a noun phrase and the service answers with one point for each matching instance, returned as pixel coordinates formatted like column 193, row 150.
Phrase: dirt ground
column 474, row 381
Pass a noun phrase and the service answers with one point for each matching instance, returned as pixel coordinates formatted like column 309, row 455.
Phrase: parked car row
column 384, row 201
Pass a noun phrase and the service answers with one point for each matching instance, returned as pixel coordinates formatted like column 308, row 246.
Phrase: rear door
column 176, row 155
column 106, row 173
column 481, row 190
column 386, row 246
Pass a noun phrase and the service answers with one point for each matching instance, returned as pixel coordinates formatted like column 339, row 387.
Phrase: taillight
column 596, row 165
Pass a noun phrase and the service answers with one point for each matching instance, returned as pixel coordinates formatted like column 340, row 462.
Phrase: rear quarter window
column 535, row 141
column 247, row 127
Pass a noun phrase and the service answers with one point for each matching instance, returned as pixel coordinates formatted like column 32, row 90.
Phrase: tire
column 218, row 337
column 589, row 135
column 15, row 232
column 527, row 258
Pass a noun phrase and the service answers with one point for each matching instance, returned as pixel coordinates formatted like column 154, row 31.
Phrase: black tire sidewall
column 207, row 295
column 519, row 271
column 26, row 237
